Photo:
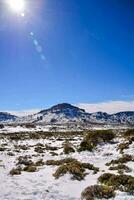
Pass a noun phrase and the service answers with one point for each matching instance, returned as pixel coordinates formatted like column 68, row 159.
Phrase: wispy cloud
column 24, row 112
column 109, row 107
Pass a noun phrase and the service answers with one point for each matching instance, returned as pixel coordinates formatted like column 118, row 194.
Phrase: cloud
column 24, row 112
column 109, row 107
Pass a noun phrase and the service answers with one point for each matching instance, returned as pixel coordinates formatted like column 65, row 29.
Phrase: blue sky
column 88, row 46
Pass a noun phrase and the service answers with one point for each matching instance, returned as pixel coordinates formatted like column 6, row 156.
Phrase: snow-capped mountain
column 4, row 116
column 62, row 113
column 99, row 116
column 123, row 117
column 67, row 113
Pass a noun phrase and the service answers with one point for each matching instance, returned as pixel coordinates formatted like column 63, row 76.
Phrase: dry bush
column 71, row 166
column 124, row 159
column 97, row 191
column 118, row 182
column 68, row 148
column 93, row 138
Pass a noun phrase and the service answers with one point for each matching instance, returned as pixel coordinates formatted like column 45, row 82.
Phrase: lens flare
column 17, row 6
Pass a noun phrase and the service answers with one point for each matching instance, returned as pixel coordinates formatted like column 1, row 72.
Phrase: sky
column 75, row 51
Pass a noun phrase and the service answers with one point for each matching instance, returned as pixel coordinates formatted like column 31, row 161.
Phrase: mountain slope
column 123, row 117
column 62, row 113
column 67, row 113
column 4, row 117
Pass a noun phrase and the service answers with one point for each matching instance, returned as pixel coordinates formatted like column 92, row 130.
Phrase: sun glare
column 17, row 5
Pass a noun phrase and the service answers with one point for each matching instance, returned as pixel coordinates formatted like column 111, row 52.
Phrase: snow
column 17, row 129
column 67, row 113
column 41, row 185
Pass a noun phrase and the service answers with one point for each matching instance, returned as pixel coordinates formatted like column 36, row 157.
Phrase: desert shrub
column 10, row 153
column 129, row 133
column 124, row 159
column 60, row 139
column 53, row 153
column 90, row 167
column 68, row 148
column 72, row 160
column 39, row 149
column 86, row 145
column 39, row 145
column 2, row 148
column 93, row 138
column 39, row 162
column 30, row 125
column 30, row 168
column 51, row 148
column 73, row 167
column 15, row 137
column 24, row 160
column 34, row 135
column 122, row 146
column 104, row 178
column 121, row 168
column 119, row 182
column 21, row 147
column 97, row 191
column 60, row 162
column 100, row 136
column 1, row 126
column 53, row 162
column 16, row 171
column 131, row 140
column 5, row 144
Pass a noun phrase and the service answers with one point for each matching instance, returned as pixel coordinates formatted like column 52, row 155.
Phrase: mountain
column 123, row 117
column 4, row 117
column 62, row 113
column 67, row 113
column 99, row 116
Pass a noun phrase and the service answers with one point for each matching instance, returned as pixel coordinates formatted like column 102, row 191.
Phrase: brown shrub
column 30, row 168
column 97, row 191
column 122, row 146
column 16, row 171
column 119, row 182
column 124, row 159
column 68, row 148
column 93, row 138
column 72, row 166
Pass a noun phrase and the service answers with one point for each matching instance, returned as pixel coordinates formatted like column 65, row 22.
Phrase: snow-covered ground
column 65, row 127
column 17, row 129
column 41, row 185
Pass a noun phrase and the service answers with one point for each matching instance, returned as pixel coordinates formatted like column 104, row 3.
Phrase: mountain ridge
column 67, row 113
column 5, row 116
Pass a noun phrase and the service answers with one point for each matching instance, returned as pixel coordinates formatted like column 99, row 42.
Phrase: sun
column 17, row 6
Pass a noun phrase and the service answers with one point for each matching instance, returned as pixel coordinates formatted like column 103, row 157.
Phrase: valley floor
column 41, row 184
